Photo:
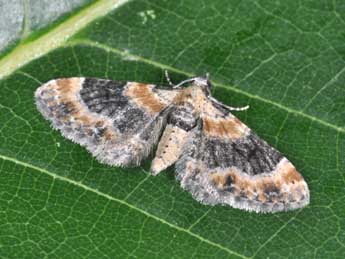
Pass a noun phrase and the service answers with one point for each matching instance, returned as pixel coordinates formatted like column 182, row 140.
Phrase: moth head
column 200, row 81
column 204, row 83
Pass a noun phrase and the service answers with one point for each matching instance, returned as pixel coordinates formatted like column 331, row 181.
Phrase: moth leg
column 180, row 122
column 169, row 148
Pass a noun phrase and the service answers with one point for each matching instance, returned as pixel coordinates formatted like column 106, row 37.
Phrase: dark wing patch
column 118, row 122
column 250, row 154
column 243, row 172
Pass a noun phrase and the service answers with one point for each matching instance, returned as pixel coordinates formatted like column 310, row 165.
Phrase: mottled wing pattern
column 224, row 162
column 118, row 122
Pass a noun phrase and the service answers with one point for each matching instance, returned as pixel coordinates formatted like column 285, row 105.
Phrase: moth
column 217, row 158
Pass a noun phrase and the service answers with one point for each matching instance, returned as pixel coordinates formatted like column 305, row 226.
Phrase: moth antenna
column 237, row 108
column 183, row 82
column 207, row 76
column 168, row 78
column 190, row 80
column 230, row 108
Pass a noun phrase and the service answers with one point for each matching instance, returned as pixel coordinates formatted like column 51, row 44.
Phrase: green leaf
column 286, row 59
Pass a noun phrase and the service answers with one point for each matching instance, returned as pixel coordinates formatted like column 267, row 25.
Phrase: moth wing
column 118, row 122
column 224, row 162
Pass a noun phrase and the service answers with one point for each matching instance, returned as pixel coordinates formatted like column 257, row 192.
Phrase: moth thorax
column 183, row 117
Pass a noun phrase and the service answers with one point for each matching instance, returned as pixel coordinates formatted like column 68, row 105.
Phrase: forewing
column 118, row 122
column 224, row 162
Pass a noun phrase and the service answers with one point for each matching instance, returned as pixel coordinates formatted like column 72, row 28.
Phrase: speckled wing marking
column 118, row 122
column 224, row 162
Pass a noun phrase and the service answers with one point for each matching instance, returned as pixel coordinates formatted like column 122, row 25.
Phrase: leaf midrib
column 123, row 202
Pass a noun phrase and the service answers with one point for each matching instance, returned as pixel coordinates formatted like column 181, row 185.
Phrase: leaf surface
column 286, row 59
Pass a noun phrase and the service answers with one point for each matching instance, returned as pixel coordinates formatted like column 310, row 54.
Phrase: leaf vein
column 332, row 80
column 138, row 185
column 275, row 234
